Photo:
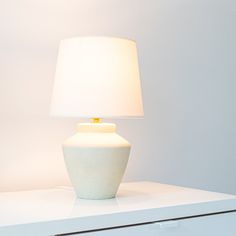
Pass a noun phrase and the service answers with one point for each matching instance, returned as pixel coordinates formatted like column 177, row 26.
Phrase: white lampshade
column 97, row 77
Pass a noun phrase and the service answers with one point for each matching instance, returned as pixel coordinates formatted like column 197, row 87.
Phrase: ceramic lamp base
column 96, row 158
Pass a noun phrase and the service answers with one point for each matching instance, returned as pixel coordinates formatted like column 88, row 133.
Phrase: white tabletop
column 54, row 211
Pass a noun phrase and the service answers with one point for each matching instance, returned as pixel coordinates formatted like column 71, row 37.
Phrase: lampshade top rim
column 98, row 36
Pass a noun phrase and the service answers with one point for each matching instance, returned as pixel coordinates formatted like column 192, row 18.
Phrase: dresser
column 140, row 209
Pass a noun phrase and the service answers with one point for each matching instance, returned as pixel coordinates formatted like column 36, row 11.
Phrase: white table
column 140, row 209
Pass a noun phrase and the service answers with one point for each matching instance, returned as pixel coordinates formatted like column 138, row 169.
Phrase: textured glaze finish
column 96, row 159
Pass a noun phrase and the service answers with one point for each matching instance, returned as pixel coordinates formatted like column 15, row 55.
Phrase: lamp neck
column 95, row 127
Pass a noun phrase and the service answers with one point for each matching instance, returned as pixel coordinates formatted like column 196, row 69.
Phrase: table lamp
column 96, row 77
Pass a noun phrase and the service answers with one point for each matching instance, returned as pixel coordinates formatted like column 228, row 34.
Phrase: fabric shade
column 97, row 77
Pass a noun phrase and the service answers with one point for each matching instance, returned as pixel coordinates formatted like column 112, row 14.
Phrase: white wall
column 187, row 59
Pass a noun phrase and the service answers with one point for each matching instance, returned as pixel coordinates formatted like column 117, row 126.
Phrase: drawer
column 218, row 225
